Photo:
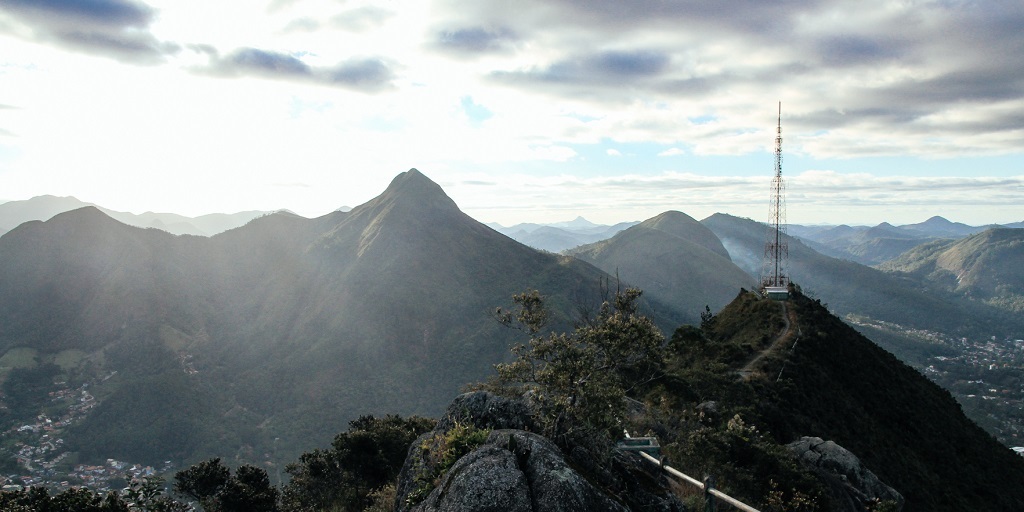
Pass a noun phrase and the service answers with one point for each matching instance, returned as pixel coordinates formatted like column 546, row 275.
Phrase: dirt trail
column 748, row 369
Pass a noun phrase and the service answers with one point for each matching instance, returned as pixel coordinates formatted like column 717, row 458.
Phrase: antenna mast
column 776, row 251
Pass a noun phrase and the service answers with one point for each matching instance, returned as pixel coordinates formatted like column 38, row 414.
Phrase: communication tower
column 774, row 279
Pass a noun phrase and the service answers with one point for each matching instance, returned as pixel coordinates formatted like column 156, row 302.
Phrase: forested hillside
column 272, row 336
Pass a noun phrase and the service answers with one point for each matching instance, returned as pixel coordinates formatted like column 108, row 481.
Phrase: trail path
column 748, row 369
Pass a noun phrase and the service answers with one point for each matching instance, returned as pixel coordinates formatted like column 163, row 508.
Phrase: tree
column 212, row 485
column 249, row 490
column 201, row 482
column 366, row 458
column 579, row 380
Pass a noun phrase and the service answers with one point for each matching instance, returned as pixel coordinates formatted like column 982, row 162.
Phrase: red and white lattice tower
column 774, row 278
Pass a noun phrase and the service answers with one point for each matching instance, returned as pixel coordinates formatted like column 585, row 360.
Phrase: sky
column 525, row 111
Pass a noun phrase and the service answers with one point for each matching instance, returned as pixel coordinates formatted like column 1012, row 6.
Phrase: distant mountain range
column 14, row 213
column 877, row 244
column 560, row 236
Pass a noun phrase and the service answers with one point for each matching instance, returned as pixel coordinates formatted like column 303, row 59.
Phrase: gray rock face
column 853, row 487
column 486, row 410
column 554, row 486
column 485, row 480
column 515, row 470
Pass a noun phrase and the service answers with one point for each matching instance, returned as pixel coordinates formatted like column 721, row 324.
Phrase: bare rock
column 486, row 480
column 514, row 470
column 853, row 487
column 486, row 411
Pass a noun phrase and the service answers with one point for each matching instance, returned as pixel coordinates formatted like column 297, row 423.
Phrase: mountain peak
column 414, row 186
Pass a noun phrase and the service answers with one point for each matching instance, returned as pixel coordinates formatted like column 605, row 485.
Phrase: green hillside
column 850, row 288
column 674, row 259
column 825, row 380
column 984, row 267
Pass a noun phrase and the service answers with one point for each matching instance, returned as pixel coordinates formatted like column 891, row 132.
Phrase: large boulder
column 513, row 470
column 487, row 479
column 852, row 486
column 486, row 411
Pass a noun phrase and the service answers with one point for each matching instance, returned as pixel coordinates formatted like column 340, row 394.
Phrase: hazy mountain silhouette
column 560, row 236
column 877, row 244
column 13, row 213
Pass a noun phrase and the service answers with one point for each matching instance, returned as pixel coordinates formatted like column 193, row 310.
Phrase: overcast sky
column 524, row 111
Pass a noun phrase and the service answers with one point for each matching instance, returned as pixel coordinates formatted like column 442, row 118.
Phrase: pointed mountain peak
column 577, row 223
column 414, row 186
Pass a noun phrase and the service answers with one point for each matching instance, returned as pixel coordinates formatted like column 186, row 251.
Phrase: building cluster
column 43, row 458
column 987, row 378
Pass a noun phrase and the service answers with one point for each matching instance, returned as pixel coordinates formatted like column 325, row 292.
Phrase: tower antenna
column 774, row 281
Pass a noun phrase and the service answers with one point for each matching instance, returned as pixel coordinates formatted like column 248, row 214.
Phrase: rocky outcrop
column 514, row 470
column 487, row 411
column 852, row 486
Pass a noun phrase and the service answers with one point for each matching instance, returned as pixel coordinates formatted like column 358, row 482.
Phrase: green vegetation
column 20, row 357
column 358, row 467
column 145, row 495
column 212, row 485
column 579, row 381
column 27, row 390
column 441, row 451
column 983, row 267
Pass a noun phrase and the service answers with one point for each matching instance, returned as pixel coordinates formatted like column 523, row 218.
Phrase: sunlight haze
column 531, row 111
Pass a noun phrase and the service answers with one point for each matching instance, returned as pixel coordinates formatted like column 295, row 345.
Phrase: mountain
column 13, row 213
column 940, row 227
column 865, row 245
column 561, row 236
column 877, row 244
column 674, row 259
column 868, row 295
column 822, row 379
column 285, row 328
column 983, row 266
column 780, row 402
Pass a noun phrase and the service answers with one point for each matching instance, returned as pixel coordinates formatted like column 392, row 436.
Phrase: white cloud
column 551, row 92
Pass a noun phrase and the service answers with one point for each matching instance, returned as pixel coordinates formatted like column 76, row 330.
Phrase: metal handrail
column 693, row 481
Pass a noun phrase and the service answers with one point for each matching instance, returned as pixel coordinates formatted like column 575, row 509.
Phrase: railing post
column 709, row 498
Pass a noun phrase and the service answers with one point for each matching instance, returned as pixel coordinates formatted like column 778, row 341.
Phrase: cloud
column 362, row 74
column 362, row 18
column 875, row 68
column 613, row 152
column 357, row 20
column 117, row 29
column 252, row 61
column 614, row 75
column 813, row 197
column 596, row 69
column 672, row 152
column 476, row 40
